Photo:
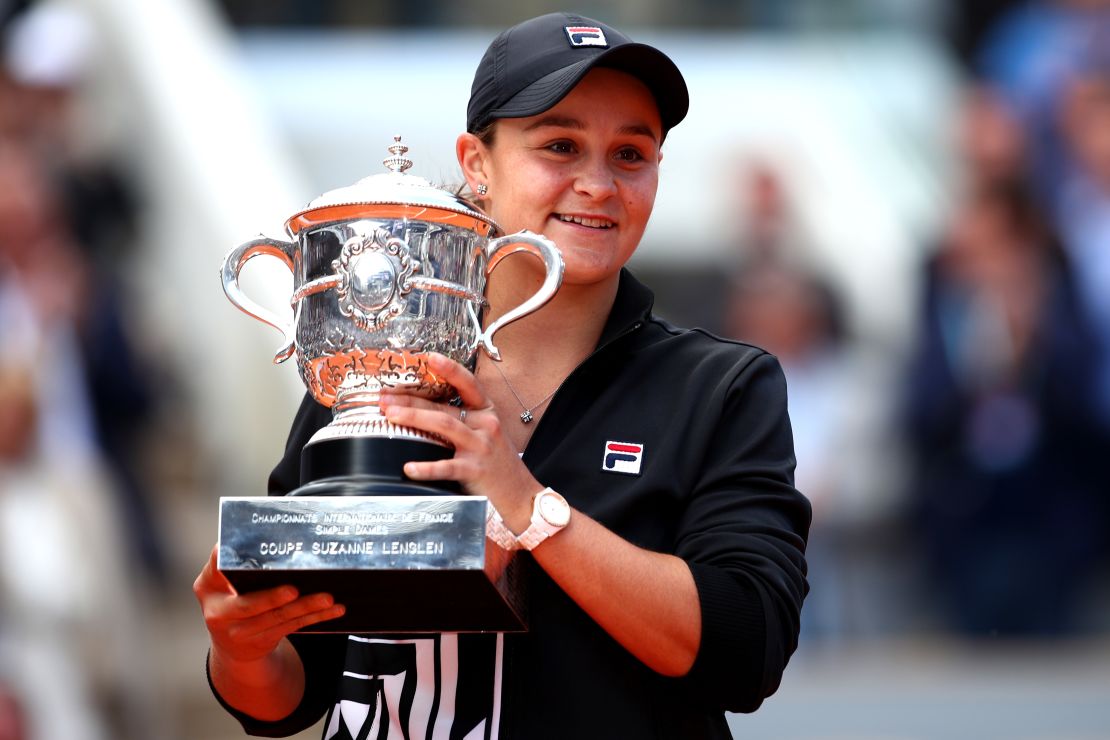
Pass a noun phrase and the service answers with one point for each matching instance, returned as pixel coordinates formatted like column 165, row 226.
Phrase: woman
column 665, row 582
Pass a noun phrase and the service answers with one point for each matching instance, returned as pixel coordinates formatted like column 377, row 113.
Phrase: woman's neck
column 540, row 350
column 564, row 331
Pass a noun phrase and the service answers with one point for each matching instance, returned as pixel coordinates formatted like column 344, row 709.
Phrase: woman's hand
column 485, row 462
column 248, row 627
column 646, row 600
column 251, row 664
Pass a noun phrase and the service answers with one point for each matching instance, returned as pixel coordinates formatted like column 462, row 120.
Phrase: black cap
column 532, row 66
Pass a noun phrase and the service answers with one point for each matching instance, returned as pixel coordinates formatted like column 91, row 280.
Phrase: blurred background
column 908, row 201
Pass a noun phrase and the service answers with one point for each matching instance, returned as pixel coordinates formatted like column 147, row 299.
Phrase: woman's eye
column 561, row 147
column 629, row 155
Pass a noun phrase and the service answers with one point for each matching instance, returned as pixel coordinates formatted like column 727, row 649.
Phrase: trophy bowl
column 384, row 271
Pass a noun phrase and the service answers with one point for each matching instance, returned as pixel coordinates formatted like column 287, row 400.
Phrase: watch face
column 554, row 509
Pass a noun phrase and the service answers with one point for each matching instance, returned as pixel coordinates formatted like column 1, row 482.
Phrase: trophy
column 384, row 271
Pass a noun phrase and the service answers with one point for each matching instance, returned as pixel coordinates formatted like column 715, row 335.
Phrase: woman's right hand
column 249, row 627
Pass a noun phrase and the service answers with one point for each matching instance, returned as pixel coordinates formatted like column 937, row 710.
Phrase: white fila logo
column 622, row 457
column 585, row 36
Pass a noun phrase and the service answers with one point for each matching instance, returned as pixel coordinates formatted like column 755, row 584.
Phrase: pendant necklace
column 526, row 415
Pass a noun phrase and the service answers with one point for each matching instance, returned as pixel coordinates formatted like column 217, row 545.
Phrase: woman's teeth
column 593, row 223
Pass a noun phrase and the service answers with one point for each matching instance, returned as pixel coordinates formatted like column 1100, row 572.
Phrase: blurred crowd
column 962, row 486
column 959, row 482
column 1006, row 410
column 80, row 550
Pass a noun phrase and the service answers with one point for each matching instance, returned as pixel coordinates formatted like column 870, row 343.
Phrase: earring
column 482, row 189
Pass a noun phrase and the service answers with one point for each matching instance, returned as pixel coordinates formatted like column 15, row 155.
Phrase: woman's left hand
column 485, row 462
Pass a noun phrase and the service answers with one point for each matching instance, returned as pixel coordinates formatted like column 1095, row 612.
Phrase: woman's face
column 583, row 174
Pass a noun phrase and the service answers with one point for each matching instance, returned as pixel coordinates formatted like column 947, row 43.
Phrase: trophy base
column 401, row 556
column 416, row 563
column 369, row 466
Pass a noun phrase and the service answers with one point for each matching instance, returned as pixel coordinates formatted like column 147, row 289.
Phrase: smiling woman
column 649, row 478
column 584, row 174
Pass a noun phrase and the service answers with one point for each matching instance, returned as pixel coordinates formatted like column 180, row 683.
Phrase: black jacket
column 715, row 487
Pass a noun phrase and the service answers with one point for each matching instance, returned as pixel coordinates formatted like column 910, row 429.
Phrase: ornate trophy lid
column 392, row 194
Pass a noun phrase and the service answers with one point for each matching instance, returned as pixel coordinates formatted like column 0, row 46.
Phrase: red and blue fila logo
column 585, row 36
column 623, row 457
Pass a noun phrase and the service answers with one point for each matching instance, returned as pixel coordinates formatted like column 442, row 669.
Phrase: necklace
column 526, row 415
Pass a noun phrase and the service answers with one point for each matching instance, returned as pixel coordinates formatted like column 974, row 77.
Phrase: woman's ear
column 472, row 154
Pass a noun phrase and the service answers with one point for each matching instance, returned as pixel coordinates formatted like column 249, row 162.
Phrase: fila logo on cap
column 623, row 457
column 586, row 36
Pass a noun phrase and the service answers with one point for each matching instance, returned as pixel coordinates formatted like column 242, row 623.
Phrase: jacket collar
column 631, row 307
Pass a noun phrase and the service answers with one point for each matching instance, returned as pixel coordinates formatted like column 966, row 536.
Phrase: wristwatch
column 550, row 513
column 496, row 530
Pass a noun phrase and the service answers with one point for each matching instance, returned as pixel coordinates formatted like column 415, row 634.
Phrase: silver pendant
column 526, row 417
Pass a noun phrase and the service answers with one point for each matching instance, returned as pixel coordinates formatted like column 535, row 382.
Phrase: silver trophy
column 385, row 271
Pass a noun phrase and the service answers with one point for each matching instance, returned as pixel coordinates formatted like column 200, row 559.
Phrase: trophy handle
column 229, row 275
column 534, row 244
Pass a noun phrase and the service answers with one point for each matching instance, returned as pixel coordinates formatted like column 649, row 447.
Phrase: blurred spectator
column 771, row 233
column 1050, row 63
column 1083, row 205
column 48, row 52
column 71, row 403
column 1007, row 490
column 62, row 577
column 838, row 406
column 1029, row 55
column 990, row 139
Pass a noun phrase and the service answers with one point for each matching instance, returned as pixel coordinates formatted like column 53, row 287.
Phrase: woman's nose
column 596, row 179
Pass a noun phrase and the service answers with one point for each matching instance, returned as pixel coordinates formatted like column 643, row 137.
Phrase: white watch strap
column 496, row 530
column 533, row 536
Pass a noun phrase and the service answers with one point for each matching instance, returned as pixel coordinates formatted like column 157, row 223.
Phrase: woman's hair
column 485, row 133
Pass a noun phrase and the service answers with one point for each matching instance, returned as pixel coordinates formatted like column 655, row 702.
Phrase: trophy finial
column 397, row 163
